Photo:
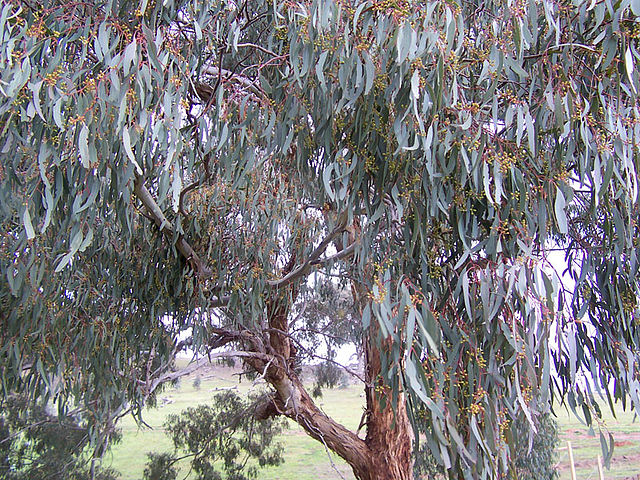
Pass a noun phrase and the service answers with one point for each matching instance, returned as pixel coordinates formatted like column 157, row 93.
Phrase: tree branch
column 170, row 376
column 302, row 409
column 314, row 257
column 320, row 357
column 341, row 254
column 258, row 47
column 241, row 79
column 200, row 267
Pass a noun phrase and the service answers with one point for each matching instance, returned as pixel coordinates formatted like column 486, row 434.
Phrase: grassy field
column 625, row 463
column 306, row 459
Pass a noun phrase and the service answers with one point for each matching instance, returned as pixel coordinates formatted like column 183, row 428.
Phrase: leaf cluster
column 36, row 445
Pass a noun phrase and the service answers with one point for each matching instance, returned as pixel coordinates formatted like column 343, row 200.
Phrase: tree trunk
column 389, row 432
column 386, row 452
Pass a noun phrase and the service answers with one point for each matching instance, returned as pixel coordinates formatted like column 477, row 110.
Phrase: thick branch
column 200, row 267
column 224, row 337
column 296, row 404
column 170, row 376
column 340, row 255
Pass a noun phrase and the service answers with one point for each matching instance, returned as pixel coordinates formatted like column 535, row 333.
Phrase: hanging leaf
column 561, row 216
column 26, row 221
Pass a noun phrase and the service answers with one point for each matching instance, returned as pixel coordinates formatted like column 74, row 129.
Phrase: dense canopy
column 469, row 168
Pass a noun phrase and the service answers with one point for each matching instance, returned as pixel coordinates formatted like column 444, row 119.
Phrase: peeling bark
column 386, row 452
column 389, row 432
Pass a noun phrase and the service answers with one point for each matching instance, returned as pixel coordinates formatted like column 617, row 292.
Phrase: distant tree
column 327, row 375
column 224, row 440
column 190, row 165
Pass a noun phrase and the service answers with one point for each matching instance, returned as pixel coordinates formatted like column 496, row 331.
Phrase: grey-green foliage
column 326, row 318
column 35, row 445
column 223, row 440
column 539, row 461
column 533, row 456
column 461, row 141
column 160, row 466
column 327, row 374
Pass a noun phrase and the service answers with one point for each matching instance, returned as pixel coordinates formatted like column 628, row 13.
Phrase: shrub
column 222, row 440
column 160, row 467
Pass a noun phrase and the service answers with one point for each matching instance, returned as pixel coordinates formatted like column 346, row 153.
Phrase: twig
column 314, row 257
column 560, row 46
column 258, row 47
column 320, row 357
column 194, row 366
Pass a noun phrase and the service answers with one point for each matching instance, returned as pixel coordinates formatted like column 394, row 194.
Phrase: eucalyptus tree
column 189, row 164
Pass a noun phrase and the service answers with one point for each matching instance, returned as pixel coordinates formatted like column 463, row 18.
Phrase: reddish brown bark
column 386, row 451
column 389, row 432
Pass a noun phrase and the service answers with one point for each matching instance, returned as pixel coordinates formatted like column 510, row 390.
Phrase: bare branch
column 258, row 47
column 320, row 357
column 170, row 376
column 341, row 254
column 229, row 75
column 314, row 257
column 200, row 267
column 222, row 301
column 226, row 336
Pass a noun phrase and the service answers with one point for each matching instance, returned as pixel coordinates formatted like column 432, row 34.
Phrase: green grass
column 307, row 459
column 586, row 447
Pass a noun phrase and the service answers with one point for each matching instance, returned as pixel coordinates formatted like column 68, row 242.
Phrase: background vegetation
column 306, row 459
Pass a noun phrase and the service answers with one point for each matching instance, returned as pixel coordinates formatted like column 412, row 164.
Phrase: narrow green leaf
column 129, row 55
column 126, row 140
column 326, row 178
column 628, row 62
column 26, row 221
column 366, row 316
column 83, row 145
column 561, row 216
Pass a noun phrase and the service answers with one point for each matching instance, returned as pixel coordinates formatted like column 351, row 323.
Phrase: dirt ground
column 625, row 463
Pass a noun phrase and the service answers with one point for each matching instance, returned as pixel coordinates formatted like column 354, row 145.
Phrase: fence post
column 573, row 467
column 600, row 472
